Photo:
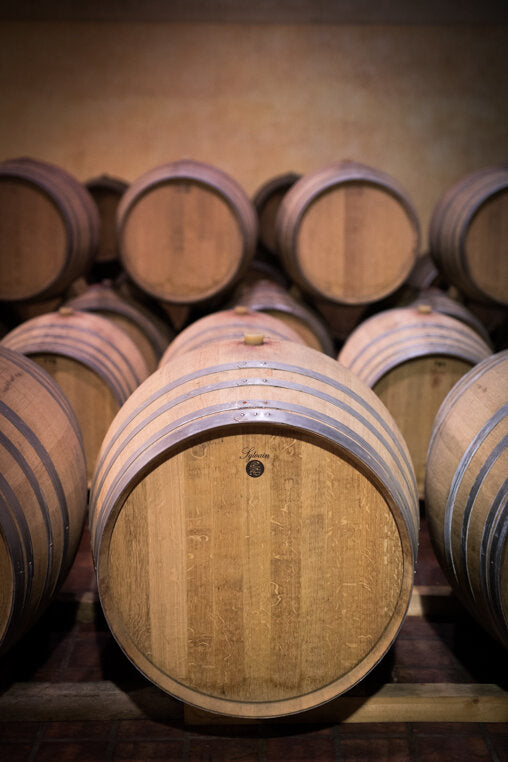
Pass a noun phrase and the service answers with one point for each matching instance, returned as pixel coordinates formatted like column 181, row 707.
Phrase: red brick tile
column 500, row 746
column 149, row 729
column 81, row 730
column 300, row 749
column 18, row 731
column 497, row 728
column 141, row 751
column 422, row 653
column 444, row 728
column 48, row 662
column 72, row 751
column 416, row 674
column 223, row 749
column 372, row 728
column 380, row 749
column 15, row 752
column 452, row 748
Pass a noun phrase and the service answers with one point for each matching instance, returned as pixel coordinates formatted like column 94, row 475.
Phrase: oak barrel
column 466, row 492
column 446, row 305
column 265, row 295
column 96, row 364
column 347, row 233
column 106, row 192
column 227, row 325
column 187, row 231
column 49, row 229
column 411, row 358
column 267, row 201
column 43, row 491
column 254, row 524
column 468, row 233
column 150, row 334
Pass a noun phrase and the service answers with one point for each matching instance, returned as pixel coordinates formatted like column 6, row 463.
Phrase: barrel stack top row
column 187, row 231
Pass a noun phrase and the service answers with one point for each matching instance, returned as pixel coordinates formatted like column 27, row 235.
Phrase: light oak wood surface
column 468, row 233
column 226, row 325
column 254, row 523
column 149, row 333
column 265, row 295
column 411, row 358
column 96, row 364
column 187, row 231
column 466, row 491
column 347, row 233
column 43, row 490
column 49, row 229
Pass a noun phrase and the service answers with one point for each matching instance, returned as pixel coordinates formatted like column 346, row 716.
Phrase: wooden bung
column 49, row 230
column 466, row 492
column 226, row 325
column 439, row 301
column 411, row 359
column 254, row 524
column 95, row 363
column 187, row 232
column 265, row 295
column 347, row 234
column 43, row 492
column 253, row 339
column 468, row 232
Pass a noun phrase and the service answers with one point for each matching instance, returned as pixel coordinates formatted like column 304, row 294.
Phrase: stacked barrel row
column 254, row 503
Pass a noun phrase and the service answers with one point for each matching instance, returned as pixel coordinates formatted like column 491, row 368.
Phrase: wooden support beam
column 394, row 702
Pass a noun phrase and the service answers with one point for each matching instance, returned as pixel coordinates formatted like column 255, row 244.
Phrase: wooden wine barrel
column 187, row 231
column 347, row 233
column 150, row 334
column 49, row 229
column 228, row 325
column 441, row 302
column 468, row 232
column 265, row 295
column 466, row 492
column 267, row 200
column 43, row 491
column 107, row 191
column 26, row 310
column 340, row 319
column 411, row 358
column 95, row 363
column 254, row 524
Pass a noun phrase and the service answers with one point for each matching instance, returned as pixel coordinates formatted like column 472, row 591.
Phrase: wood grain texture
column 265, row 295
column 226, row 325
column 95, row 363
column 150, row 334
column 468, row 232
column 254, row 522
column 439, row 301
column 187, row 231
column 347, row 233
column 466, row 491
column 421, row 702
column 49, row 229
column 43, row 490
column 411, row 359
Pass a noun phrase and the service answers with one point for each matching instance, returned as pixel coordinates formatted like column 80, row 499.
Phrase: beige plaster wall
column 427, row 104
